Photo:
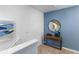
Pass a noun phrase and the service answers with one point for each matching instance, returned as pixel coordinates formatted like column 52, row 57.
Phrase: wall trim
column 72, row 50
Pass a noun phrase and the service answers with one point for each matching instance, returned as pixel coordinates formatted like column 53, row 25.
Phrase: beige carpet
column 43, row 49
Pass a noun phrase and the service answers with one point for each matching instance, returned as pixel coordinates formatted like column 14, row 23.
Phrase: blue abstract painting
column 6, row 27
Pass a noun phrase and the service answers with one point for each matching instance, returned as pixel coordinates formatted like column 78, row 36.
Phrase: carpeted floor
column 43, row 49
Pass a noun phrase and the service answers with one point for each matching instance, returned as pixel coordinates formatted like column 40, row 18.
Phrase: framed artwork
column 6, row 28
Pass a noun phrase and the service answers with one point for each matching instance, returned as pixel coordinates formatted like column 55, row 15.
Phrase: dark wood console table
column 54, row 38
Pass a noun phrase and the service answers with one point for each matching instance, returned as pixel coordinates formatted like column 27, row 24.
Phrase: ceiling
column 48, row 8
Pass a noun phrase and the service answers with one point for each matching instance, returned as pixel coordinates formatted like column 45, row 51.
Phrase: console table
column 53, row 38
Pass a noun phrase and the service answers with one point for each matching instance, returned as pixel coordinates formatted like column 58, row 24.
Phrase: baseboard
column 72, row 50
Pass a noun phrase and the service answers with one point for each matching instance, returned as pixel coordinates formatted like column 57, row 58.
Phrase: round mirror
column 54, row 25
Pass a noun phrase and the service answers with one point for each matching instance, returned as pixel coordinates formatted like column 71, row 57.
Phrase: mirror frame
column 57, row 22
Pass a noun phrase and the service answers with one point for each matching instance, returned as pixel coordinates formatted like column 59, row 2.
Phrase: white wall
column 29, row 21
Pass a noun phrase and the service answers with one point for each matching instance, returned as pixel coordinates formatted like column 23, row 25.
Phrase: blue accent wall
column 69, row 18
